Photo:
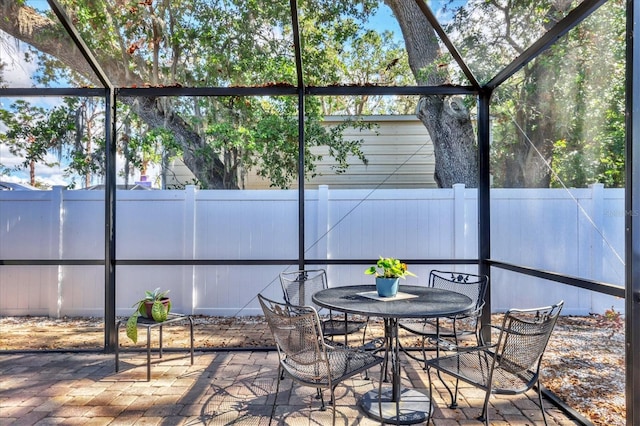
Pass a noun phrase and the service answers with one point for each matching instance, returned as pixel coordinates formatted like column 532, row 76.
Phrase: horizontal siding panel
column 381, row 169
column 397, row 178
column 394, row 160
column 384, row 137
column 382, row 133
column 400, row 153
column 398, row 146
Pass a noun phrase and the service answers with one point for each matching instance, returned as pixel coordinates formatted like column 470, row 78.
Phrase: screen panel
column 557, row 155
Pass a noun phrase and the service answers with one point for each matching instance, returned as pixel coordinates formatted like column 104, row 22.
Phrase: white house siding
column 399, row 154
column 399, row 151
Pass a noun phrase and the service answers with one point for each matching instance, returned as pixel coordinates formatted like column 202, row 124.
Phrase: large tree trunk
column 26, row 24
column 446, row 118
column 530, row 164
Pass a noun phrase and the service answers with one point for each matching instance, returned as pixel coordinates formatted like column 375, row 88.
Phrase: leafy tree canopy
column 215, row 44
column 557, row 121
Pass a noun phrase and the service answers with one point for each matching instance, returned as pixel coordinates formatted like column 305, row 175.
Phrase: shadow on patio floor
column 221, row 388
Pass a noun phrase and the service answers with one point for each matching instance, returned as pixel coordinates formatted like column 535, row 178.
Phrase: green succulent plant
column 159, row 311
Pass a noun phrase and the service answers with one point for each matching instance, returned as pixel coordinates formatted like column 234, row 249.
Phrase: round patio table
column 399, row 406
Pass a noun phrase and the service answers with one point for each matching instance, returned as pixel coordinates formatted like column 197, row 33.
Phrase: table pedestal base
column 414, row 406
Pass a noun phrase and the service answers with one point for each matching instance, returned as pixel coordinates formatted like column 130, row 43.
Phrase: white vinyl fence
column 578, row 232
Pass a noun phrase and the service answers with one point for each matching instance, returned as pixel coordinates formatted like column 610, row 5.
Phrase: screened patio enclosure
column 216, row 111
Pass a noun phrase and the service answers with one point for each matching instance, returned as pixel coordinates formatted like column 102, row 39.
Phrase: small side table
column 149, row 324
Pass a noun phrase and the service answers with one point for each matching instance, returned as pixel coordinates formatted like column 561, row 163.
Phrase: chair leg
column 455, row 336
column 484, row 416
column 333, row 405
column 280, row 377
column 454, row 394
column 320, row 396
column 387, row 345
column 477, row 333
column 430, row 395
column 454, row 399
column 544, row 416
column 346, row 328
column 364, row 332
column 380, row 391
column 424, row 352
column 364, row 337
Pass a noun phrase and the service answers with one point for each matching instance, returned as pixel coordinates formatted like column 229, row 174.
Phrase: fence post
column 323, row 222
column 459, row 245
column 596, row 238
column 189, row 277
column 57, row 208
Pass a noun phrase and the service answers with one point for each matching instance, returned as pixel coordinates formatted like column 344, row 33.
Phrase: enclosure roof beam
column 79, row 42
column 573, row 18
column 52, row 91
column 447, row 42
column 632, row 216
column 296, row 41
column 284, row 90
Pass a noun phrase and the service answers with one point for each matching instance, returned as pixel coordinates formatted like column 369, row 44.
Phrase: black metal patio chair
column 509, row 367
column 304, row 355
column 446, row 333
column 299, row 286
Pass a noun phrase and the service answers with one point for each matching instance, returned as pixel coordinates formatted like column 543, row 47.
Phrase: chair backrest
column 299, row 286
column 296, row 331
column 524, row 336
column 473, row 286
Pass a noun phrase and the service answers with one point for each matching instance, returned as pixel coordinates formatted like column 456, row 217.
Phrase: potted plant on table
column 155, row 305
column 388, row 271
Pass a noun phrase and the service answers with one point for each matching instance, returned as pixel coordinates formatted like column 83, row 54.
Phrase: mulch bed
column 584, row 363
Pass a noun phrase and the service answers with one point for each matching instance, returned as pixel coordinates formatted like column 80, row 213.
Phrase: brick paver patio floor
column 221, row 388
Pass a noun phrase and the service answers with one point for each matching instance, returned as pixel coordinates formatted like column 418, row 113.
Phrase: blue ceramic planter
column 387, row 287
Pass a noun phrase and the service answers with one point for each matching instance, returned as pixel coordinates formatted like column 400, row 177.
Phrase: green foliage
column 224, row 43
column 593, row 149
column 22, row 135
column 71, row 130
column 564, row 109
column 389, row 267
column 558, row 121
column 159, row 311
column 32, row 132
column 610, row 169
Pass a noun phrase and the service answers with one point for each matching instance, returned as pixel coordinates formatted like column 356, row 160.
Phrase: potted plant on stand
column 388, row 271
column 155, row 305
